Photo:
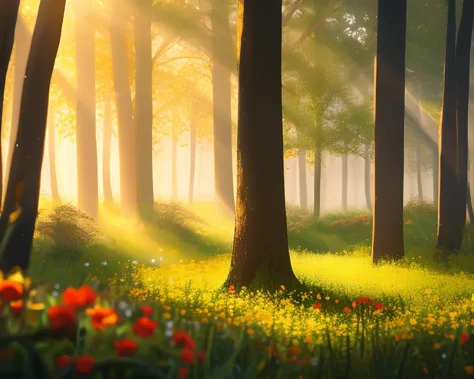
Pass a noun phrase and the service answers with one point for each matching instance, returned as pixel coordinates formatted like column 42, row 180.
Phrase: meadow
column 152, row 301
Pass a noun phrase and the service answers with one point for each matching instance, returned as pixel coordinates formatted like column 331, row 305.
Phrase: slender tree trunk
column 86, row 143
column 367, row 183
column 419, row 182
column 223, row 171
column 260, row 254
column 446, row 233
column 435, row 170
column 8, row 17
column 25, row 175
column 126, row 122
column 192, row 151
column 463, row 54
column 106, row 150
column 144, row 105
column 317, row 182
column 302, row 179
column 387, row 236
column 470, row 209
column 174, row 157
column 344, row 183
column 53, row 176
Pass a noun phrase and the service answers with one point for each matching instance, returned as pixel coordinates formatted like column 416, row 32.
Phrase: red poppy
column 365, row 300
column 202, row 355
column 183, row 372
column 84, row 364
column 354, row 304
column 81, row 297
column 144, row 327
column 183, row 339
column 347, row 310
column 379, row 306
column 10, row 290
column 147, row 310
column 316, row 306
column 63, row 361
column 187, row 355
column 231, row 289
column 102, row 317
column 125, row 347
column 61, row 316
column 464, row 338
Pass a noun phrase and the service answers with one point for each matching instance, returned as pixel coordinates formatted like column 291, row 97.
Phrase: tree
column 86, row 143
column 8, row 16
column 107, row 139
column 25, row 172
column 387, row 235
column 260, row 253
column 302, row 178
column 193, row 120
column 51, row 130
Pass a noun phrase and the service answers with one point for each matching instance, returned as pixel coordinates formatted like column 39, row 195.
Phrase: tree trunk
column 144, row 105
column 446, row 233
column 463, row 54
column 368, row 183
column 192, row 151
column 174, row 156
column 387, row 236
column 223, row 172
column 8, row 17
column 317, row 182
column 86, row 143
column 107, row 139
column 126, row 122
column 419, row 182
column 470, row 209
column 344, row 183
column 260, row 255
column 53, row 176
column 435, row 170
column 25, row 175
column 302, row 179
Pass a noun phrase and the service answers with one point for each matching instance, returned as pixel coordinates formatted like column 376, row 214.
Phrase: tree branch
column 291, row 11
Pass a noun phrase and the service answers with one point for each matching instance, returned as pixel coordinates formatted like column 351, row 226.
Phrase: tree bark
column 174, row 156
column 446, row 231
column 8, row 17
column 317, row 182
column 223, row 171
column 107, row 139
column 144, row 105
column 192, row 151
column 260, row 255
column 463, row 54
column 344, row 183
column 387, row 236
column 29, row 147
column 419, row 182
column 302, row 179
column 53, row 176
column 126, row 123
column 368, row 183
column 86, row 142
column 435, row 170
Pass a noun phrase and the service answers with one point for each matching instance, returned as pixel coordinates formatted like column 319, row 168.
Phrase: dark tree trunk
column 387, row 236
column 260, row 253
column 86, row 143
column 446, row 233
column 144, row 105
column 419, row 182
column 463, row 54
column 106, row 182
column 126, row 122
column 344, row 183
column 470, row 210
column 174, row 157
column 368, row 183
column 223, row 172
column 29, row 147
column 317, row 182
column 192, row 151
column 53, row 176
column 302, row 179
column 435, row 164
column 8, row 17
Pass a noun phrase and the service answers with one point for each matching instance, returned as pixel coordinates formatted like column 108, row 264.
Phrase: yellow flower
column 413, row 321
column 437, row 346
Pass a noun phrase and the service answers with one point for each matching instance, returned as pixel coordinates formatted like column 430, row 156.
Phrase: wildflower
column 231, row 289
column 469, row 370
column 84, row 364
column 183, row 372
column 437, row 346
column 464, row 338
column 10, row 290
column 81, row 297
column 182, row 339
column 354, row 304
column 147, row 310
column 379, row 306
column 61, row 316
column 63, row 361
column 125, row 347
column 425, row 370
column 16, row 307
column 144, row 327
column 365, row 300
column 187, row 355
column 102, row 317
column 347, row 310
column 317, row 306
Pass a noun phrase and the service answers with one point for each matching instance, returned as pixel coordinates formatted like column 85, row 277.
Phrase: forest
column 236, row 189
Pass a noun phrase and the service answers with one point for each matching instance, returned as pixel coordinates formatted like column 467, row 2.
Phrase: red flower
column 10, row 290
column 125, row 347
column 144, row 327
column 464, row 338
column 84, row 364
column 354, row 304
column 182, row 339
column 16, row 307
column 365, row 300
column 63, row 361
column 379, row 306
column 81, row 297
column 147, row 310
column 61, row 316
column 347, row 310
column 187, row 355
column 102, row 317
column 231, row 289
column 202, row 355
column 183, row 372
column 316, row 306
